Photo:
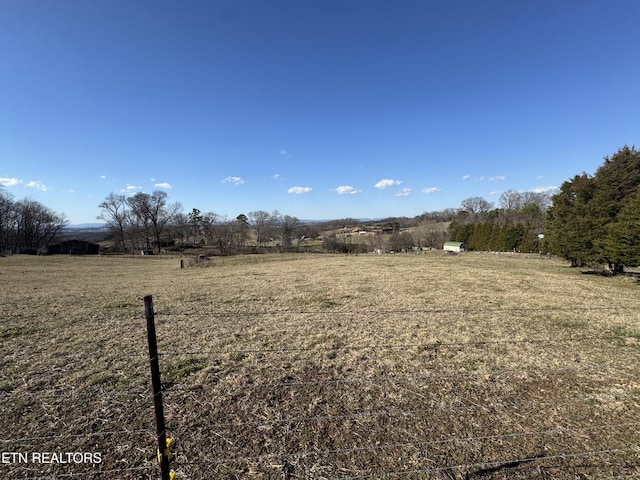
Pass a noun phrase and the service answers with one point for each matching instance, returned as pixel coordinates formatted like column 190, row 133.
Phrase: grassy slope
column 323, row 366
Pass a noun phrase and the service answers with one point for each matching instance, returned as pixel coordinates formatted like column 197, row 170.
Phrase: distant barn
column 454, row 247
column 74, row 247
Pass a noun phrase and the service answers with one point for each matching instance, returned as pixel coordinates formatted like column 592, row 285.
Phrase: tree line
column 592, row 221
column 27, row 226
column 595, row 220
column 515, row 225
column 149, row 222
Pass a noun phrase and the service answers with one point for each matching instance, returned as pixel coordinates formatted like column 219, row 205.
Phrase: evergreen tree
column 460, row 232
column 584, row 224
column 616, row 182
column 529, row 241
column 481, row 236
column 622, row 243
column 567, row 225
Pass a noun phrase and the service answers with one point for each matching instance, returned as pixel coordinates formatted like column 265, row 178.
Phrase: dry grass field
column 469, row 366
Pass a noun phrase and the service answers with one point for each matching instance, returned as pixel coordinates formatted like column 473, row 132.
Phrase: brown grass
column 320, row 366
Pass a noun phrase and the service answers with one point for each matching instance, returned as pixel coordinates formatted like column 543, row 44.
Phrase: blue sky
column 319, row 109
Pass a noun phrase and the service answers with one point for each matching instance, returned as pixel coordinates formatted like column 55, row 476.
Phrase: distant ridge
column 361, row 220
column 86, row 226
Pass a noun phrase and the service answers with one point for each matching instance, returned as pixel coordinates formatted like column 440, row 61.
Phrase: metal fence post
column 163, row 455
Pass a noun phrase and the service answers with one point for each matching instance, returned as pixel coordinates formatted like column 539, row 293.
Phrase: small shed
column 74, row 247
column 454, row 247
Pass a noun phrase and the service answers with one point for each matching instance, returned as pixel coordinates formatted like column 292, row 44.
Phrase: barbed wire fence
column 342, row 423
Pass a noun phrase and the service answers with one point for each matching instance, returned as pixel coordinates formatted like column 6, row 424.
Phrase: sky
column 320, row 109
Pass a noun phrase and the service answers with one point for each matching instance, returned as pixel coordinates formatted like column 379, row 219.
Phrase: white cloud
column 496, row 192
column 497, row 178
column 276, row 176
column 37, row 185
column 164, row 185
column 300, row 190
column 283, row 152
column 431, row 190
column 386, row 183
column 9, row 182
column 545, row 189
column 131, row 188
column 405, row 192
column 347, row 190
column 103, row 177
column 466, row 177
column 152, row 179
column 234, row 180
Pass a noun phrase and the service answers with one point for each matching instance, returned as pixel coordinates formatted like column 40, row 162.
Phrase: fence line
column 75, row 435
column 91, row 473
column 331, row 315
column 375, row 379
column 492, row 465
column 397, row 379
column 365, row 414
column 410, row 413
column 79, row 396
column 375, row 448
column 463, row 310
column 346, row 380
column 398, row 346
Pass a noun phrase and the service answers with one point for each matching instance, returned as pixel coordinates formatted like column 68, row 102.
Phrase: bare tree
column 36, row 225
column 542, row 200
column 290, row 230
column 140, row 221
column 476, row 207
column 511, row 200
column 180, row 227
column 401, row 241
column 218, row 231
column 116, row 216
column 152, row 214
column 379, row 242
column 432, row 235
column 7, row 220
column 260, row 221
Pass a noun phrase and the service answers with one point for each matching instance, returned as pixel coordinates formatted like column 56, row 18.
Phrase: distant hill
column 86, row 226
column 90, row 232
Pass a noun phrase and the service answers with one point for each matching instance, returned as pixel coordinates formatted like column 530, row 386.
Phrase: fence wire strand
column 85, row 474
column 77, row 435
column 390, row 346
column 376, row 448
column 413, row 412
column 493, row 465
